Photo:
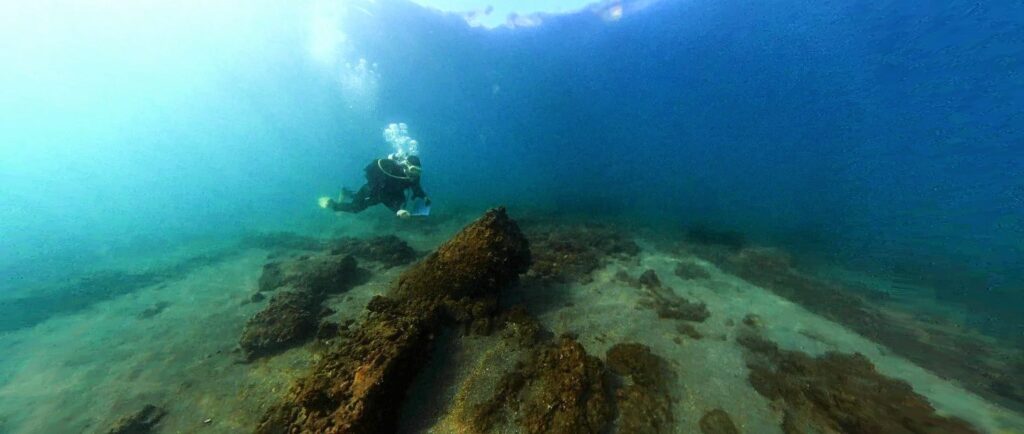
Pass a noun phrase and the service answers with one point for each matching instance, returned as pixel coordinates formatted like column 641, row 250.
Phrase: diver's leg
column 361, row 200
column 394, row 202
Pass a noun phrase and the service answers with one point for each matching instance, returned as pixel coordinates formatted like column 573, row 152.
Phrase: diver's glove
column 325, row 202
column 403, row 214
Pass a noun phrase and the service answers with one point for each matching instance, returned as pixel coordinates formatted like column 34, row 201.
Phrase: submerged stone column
column 358, row 386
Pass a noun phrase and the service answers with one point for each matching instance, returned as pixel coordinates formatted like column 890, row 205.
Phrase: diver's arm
column 417, row 192
column 329, row 203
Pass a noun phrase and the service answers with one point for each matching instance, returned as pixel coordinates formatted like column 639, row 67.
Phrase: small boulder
column 140, row 422
column 717, row 421
column 290, row 317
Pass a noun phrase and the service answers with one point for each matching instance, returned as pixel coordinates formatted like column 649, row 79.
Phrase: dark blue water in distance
column 883, row 137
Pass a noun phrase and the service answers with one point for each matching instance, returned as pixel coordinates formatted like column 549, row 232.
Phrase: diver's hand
column 403, row 214
column 324, row 202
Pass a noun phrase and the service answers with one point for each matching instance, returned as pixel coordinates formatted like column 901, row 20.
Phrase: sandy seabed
column 175, row 345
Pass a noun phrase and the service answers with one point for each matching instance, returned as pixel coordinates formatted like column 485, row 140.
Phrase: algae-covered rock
column 388, row 250
column 945, row 347
column 667, row 303
column 485, row 256
column 320, row 273
column 294, row 316
column 559, row 390
column 358, row 385
column 644, row 405
column 290, row 317
column 565, row 254
column 840, row 393
column 567, row 393
column 522, row 328
column 140, row 422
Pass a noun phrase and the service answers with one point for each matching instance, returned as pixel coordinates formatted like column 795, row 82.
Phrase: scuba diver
column 386, row 183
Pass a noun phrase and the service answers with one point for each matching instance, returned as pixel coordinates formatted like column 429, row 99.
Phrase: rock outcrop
column 324, row 274
column 560, row 389
column 717, row 421
column 358, row 385
column 293, row 316
column 644, row 403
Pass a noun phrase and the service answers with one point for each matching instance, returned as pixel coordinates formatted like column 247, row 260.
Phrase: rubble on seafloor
column 570, row 253
column 559, row 388
column 357, row 386
column 644, row 404
column 839, row 393
column 664, row 300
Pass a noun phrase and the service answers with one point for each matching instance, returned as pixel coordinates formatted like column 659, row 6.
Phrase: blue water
column 885, row 137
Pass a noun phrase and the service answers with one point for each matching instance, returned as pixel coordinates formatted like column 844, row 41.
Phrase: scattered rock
column 645, row 406
column 257, row 297
column 649, row 279
column 387, row 250
column 358, row 385
column 564, row 254
column 522, row 327
column 839, row 393
column 559, row 390
column 153, row 310
column 949, row 349
column 717, row 421
column 689, row 330
column 666, row 303
column 291, row 317
column 321, row 274
column 141, row 422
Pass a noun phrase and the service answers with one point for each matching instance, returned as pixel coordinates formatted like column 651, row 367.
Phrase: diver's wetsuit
column 386, row 182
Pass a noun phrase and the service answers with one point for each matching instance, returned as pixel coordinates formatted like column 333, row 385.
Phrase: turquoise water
column 878, row 143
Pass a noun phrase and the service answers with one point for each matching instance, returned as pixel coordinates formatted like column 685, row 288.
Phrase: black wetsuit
column 386, row 182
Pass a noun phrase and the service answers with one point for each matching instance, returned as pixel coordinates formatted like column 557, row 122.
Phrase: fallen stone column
column 358, row 386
